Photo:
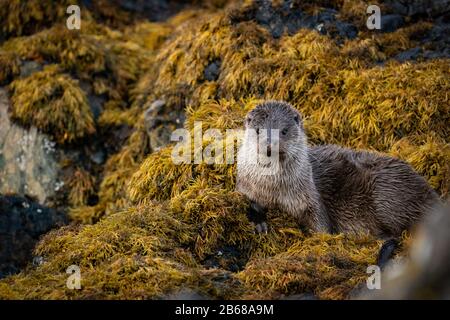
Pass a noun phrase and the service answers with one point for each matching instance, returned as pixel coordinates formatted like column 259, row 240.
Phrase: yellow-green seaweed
column 54, row 103
column 157, row 224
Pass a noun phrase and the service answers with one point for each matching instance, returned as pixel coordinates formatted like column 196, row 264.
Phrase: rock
column 346, row 30
column 436, row 54
column 426, row 274
column 160, row 123
column 326, row 15
column 95, row 101
column 29, row 67
column 326, row 23
column 419, row 7
column 411, row 54
column 98, row 157
column 228, row 257
column 391, row 22
column 212, row 71
column 287, row 17
column 156, row 106
column 22, row 222
column 152, row 115
column 37, row 261
column 28, row 164
column 141, row 5
column 437, row 41
column 154, row 10
column 96, row 104
column 434, row 44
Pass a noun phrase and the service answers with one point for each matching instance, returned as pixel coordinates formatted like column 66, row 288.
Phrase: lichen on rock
column 28, row 159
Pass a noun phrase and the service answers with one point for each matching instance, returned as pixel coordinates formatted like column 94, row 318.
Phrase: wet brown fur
column 330, row 188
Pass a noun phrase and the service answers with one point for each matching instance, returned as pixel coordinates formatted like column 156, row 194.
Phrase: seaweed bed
column 155, row 227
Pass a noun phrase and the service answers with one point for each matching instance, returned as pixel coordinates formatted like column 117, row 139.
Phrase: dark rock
column 160, row 123
column 228, row 258
column 114, row 139
column 141, row 5
column 279, row 19
column 29, row 67
column 391, row 22
column 419, row 7
column 37, row 261
column 95, row 101
column 212, row 71
column 154, row 10
column 289, row 18
column 437, row 41
column 98, row 157
column 411, row 54
column 440, row 32
column 345, row 30
column 434, row 43
column 326, row 15
column 96, row 104
column 22, row 222
column 436, row 54
column 326, row 23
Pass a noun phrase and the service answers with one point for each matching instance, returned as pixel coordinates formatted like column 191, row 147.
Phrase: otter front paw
column 261, row 227
column 257, row 215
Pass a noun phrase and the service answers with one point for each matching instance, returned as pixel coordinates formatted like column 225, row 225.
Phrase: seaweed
column 9, row 67
column 54, row 103
column 157, row 223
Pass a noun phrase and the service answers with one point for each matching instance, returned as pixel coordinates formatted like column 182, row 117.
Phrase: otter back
column 365, row 191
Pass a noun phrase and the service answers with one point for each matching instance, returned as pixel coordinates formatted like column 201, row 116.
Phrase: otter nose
column 269, row 142
column 272, row 141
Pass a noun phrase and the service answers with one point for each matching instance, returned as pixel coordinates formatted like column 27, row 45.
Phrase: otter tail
column 386, row 252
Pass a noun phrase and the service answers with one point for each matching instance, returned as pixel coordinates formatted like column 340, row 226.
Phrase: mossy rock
column 54, row 103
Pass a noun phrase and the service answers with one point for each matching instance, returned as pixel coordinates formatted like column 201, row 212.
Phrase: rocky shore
column 86, row 176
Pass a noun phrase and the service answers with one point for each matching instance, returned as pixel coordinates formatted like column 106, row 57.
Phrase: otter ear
column 297, row 119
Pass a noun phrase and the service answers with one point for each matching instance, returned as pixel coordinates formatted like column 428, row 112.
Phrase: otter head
column 280, row 125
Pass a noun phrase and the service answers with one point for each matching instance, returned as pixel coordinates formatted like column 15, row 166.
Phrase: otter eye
column 249, row 120
column 284, row 131
column 296, row 119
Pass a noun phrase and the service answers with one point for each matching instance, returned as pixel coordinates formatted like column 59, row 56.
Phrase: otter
column 328, row 188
